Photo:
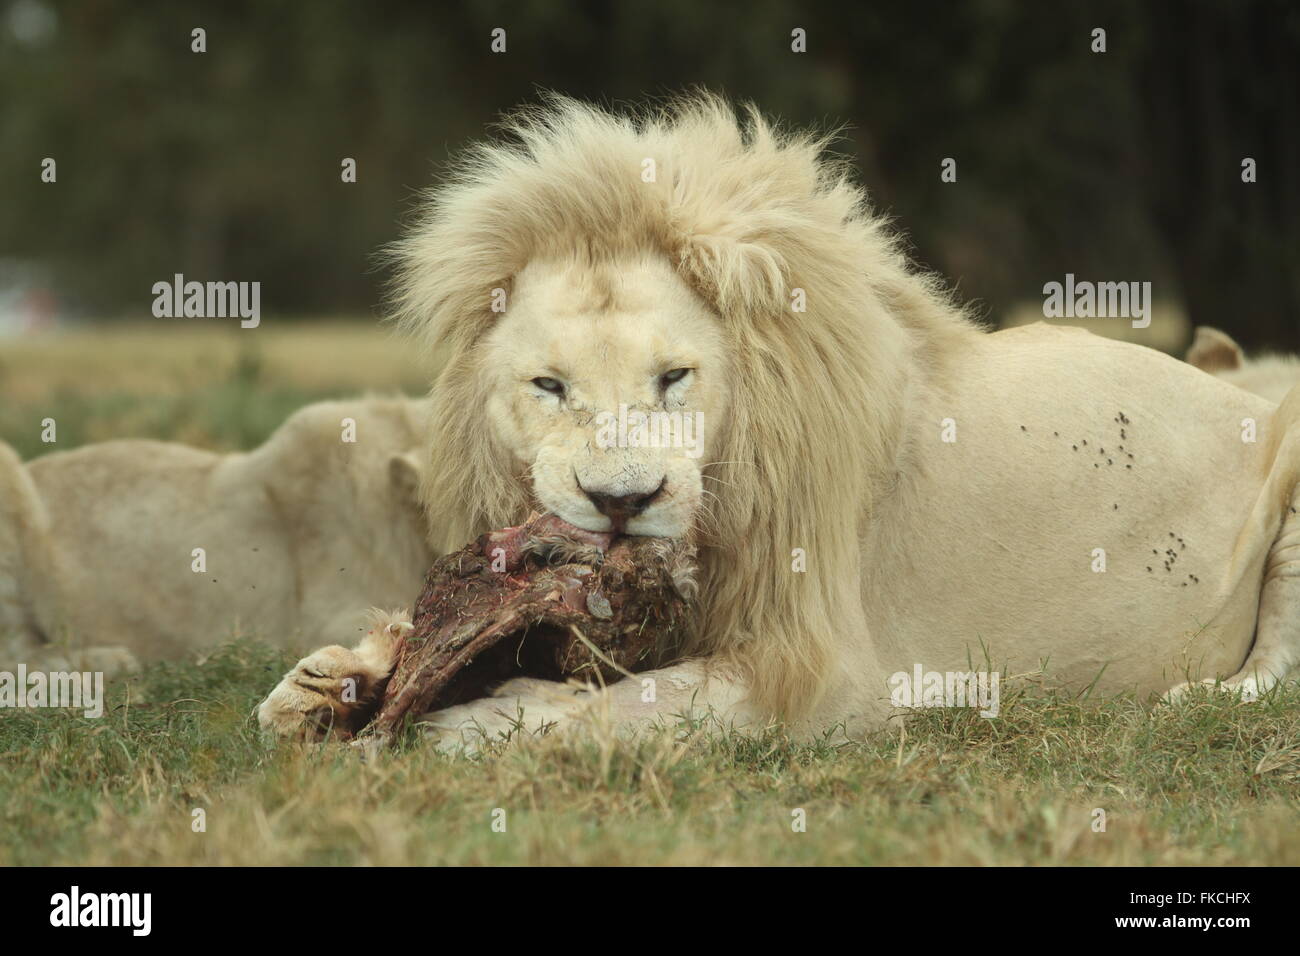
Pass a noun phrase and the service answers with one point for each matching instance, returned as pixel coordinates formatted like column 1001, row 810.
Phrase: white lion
column 1271, row 376
column 162, row 549
column 884, row 485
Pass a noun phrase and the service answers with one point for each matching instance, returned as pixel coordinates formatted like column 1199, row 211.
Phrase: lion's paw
column 330, row 689
column 1247, row 687
column 521, row 705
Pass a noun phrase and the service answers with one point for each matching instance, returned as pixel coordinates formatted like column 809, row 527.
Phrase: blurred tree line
column 226, row 165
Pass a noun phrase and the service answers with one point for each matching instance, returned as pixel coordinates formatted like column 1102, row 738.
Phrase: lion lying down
column 881, row 488
column 160, row 549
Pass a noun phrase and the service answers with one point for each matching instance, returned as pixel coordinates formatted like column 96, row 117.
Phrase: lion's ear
column 405, row 472
column 1214, row 351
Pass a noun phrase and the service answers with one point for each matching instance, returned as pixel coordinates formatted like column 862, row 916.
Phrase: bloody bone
column 543, row 599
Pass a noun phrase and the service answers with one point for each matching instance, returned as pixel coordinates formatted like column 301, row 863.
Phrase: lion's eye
column 549, row 385
column 676, row 375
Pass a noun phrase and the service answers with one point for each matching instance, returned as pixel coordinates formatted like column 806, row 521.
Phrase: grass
column 1211, row 781
column 1208, row 782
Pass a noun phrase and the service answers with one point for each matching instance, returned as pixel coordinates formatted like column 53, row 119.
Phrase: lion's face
column 608, row 385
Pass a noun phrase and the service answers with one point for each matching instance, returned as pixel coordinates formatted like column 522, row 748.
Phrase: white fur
column 300, row 534
column 1270, row 376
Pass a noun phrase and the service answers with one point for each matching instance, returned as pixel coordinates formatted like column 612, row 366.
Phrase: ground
column 1211, row 781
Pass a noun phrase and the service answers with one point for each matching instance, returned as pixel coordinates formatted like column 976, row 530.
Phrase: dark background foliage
column 1121, row 166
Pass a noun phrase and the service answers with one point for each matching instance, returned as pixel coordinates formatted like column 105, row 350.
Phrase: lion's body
column 1268, row 375
column 989, row 540
column 842, row 538
column 298, row 536
column 1271, row 376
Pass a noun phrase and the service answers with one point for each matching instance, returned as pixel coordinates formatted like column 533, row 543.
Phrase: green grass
column 1211, row 781
column 219, row 415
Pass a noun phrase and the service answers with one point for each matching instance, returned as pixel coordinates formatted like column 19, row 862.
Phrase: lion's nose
column 620, row 508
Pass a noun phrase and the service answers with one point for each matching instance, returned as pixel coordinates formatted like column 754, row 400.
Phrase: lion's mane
column 748, row 213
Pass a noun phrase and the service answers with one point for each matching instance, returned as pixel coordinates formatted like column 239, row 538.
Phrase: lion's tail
column 24, row 544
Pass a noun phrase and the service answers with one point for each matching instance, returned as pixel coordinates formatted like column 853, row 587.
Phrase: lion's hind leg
column 1276, row 649
column 1277, row 634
